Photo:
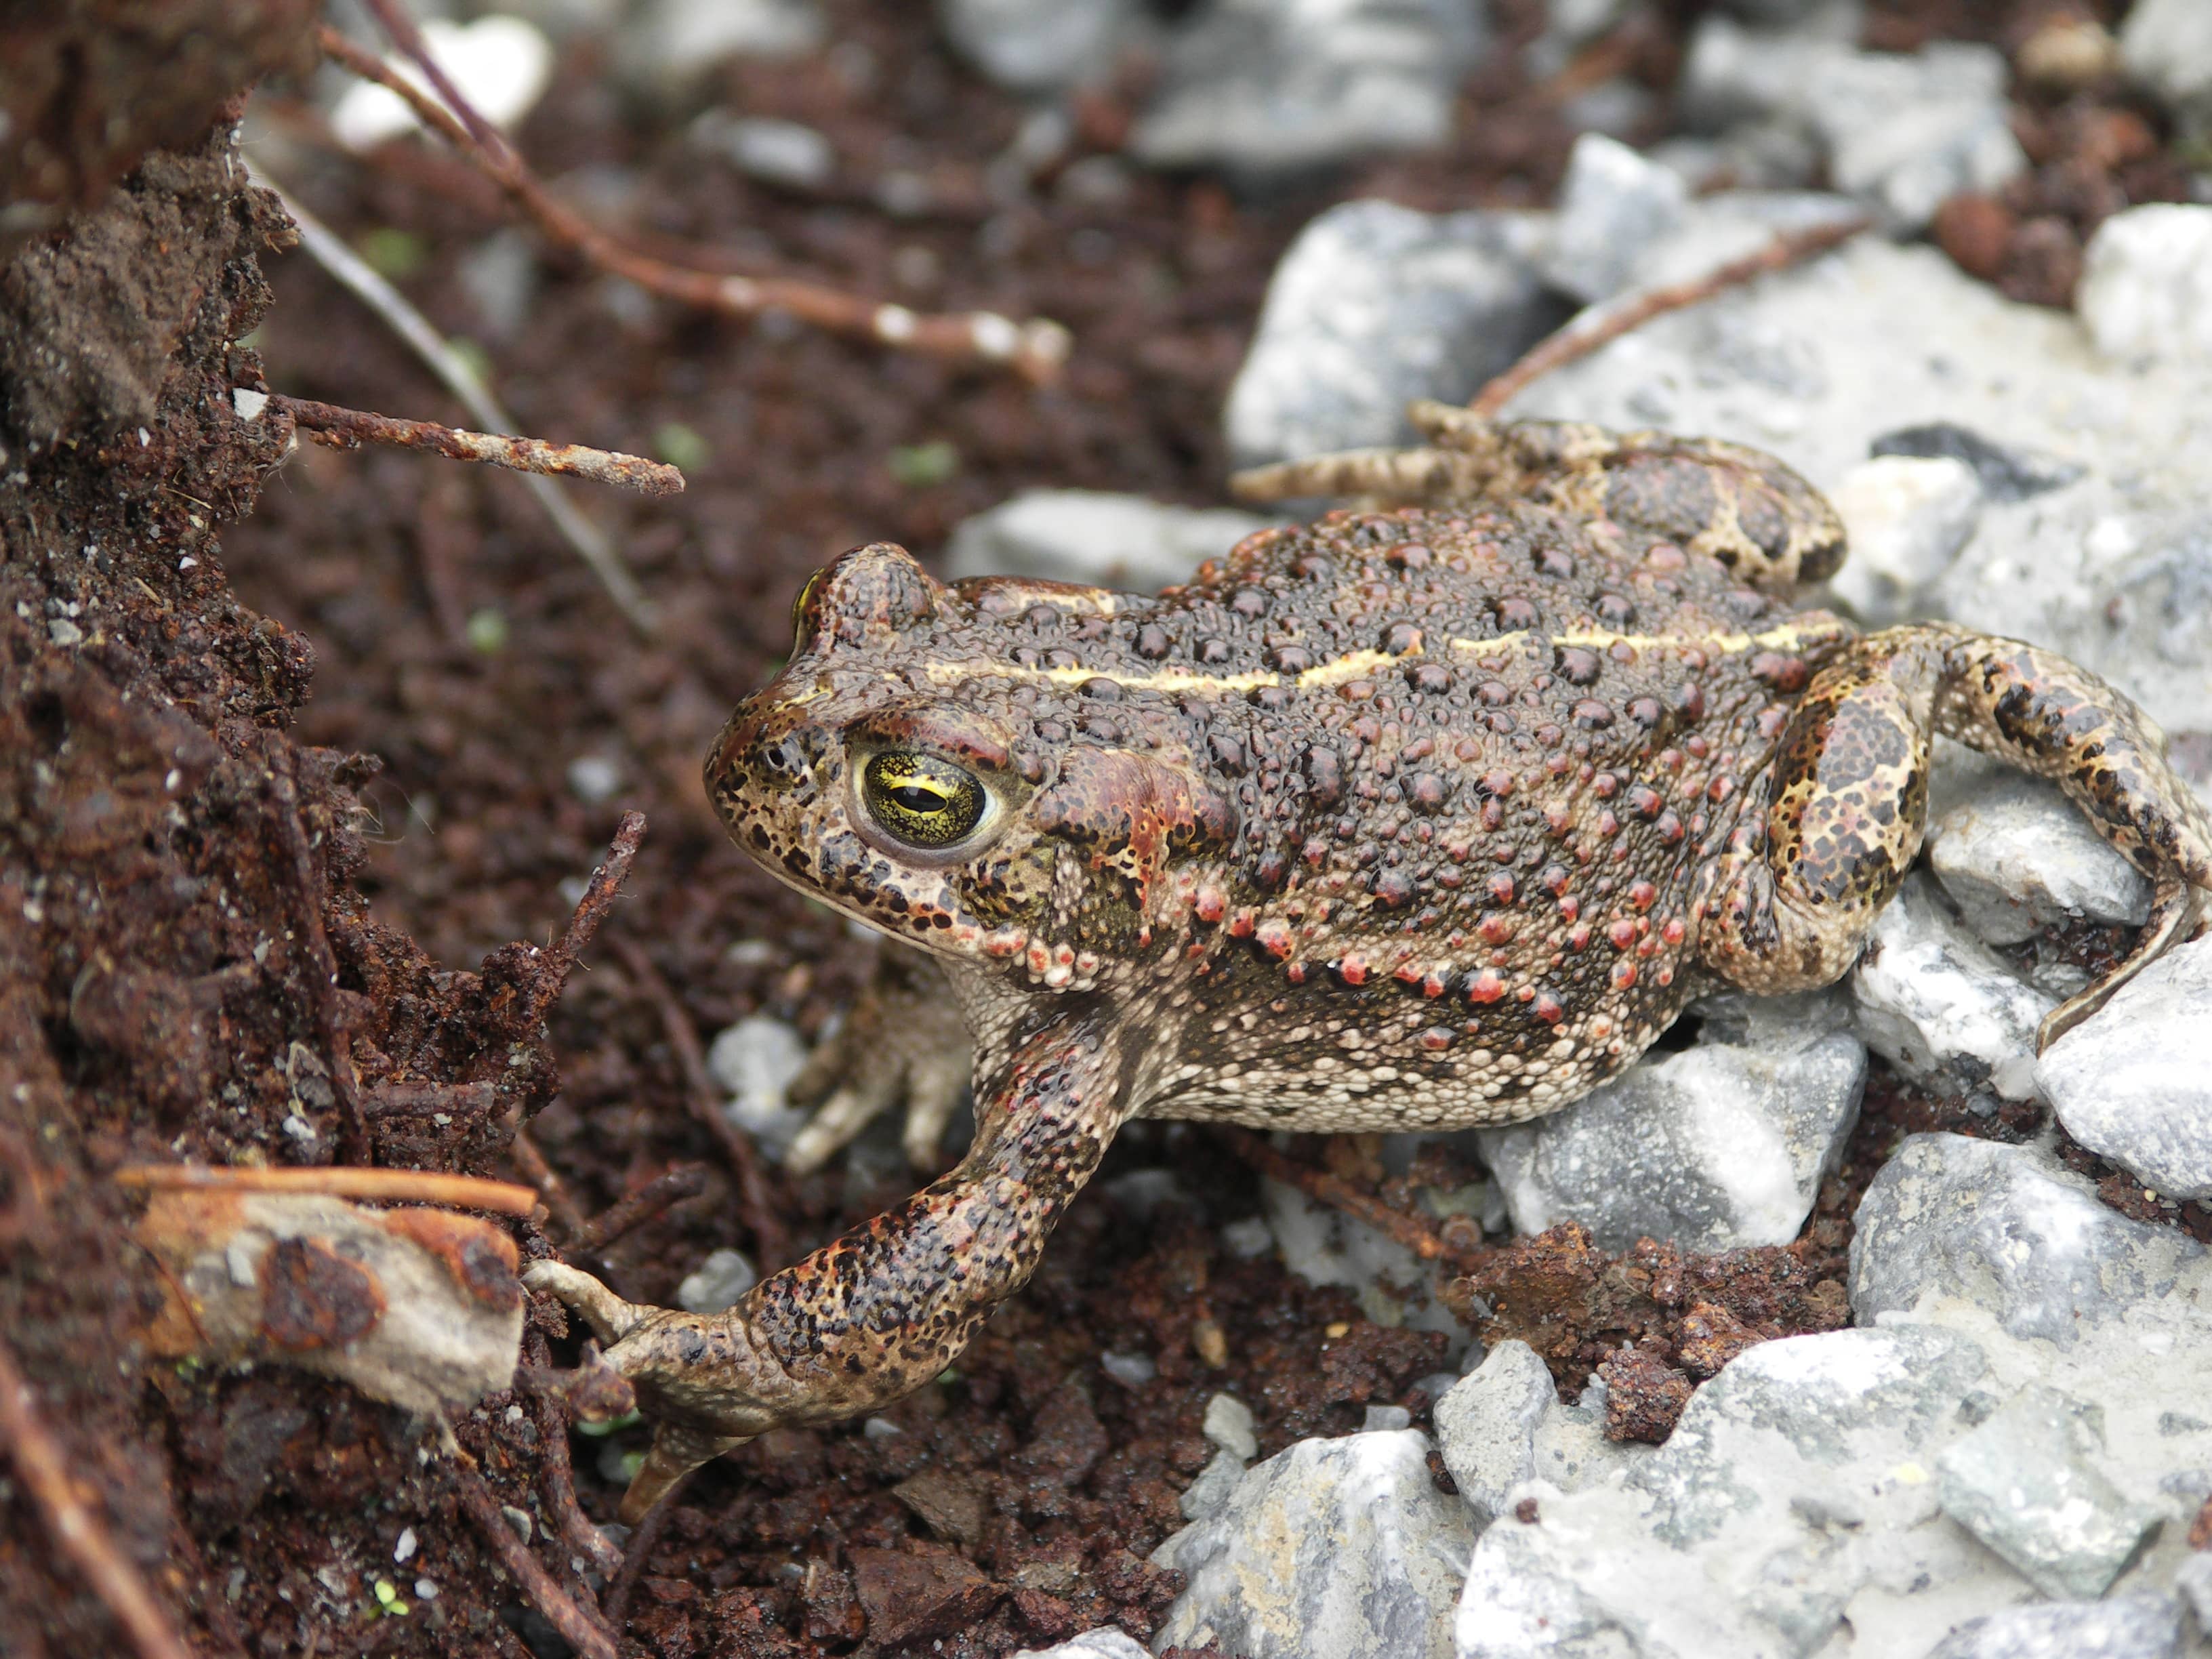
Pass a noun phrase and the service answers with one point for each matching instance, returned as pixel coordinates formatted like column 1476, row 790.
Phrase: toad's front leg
column 886, row 1308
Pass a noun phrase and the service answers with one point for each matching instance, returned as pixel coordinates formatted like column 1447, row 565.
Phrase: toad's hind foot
column 904, row 1036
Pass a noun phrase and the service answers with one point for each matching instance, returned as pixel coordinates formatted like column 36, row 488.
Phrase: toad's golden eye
column 922, row 800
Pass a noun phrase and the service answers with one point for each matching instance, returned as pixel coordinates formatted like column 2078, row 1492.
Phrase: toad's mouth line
column 1359, row 665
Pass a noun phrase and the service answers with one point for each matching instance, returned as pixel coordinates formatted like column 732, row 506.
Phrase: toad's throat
column 1359, row 665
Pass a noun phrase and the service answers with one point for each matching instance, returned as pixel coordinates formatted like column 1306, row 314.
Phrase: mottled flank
column 1433, row 813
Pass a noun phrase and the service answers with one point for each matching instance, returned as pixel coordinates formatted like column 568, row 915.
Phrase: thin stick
column 1339, row 1194
column 560, row 1208
column 456, row 1192
column 584, row 924
column 579, row 1629
column 633, row 1210
column 354, row 1146
column 354, row 274
column 350, row 429
column 642, row 1542
column 1036, row 350
column 414, row 1098
column 1603, row 324
column 757, row 1205
column 45, row 1475
column 577, row 1529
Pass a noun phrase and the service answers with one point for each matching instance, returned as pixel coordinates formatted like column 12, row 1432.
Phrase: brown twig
column 45, row 1470
column 560, row 1208
column 584, row 924
column 455, row 1192
column 1602, row 324
column 615, row 1604
column 579, row 1629
column 350, row 429
column 757, row 1204
column 354, row 1144
column 1410, row 1231
column 1037, row 348
column 414, row 1098
column 577, row 1529
column 633, row 1210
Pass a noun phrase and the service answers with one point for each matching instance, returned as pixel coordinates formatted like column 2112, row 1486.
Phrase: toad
column 1435, row 813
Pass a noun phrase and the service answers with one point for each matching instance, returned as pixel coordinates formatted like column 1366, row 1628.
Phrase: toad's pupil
column 919, row 797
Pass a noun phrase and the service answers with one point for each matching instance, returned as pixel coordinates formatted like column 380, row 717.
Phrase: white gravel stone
column 1343, row 1547
column 2016, row 856
column 2146, row 282
column 787, row 153
column 501, row 65
column 2168, row 46
column 1908, row 516
column 1324, row 1246
column 1041, row 45
column 1375, row 305
column 756, row 1060
column 2132, row 1083
column 2006, row 1229
column 1104, row 1643
column 1210, row 1492
column 1131, row 1370
column 720, row 1280
column 1486, row 1426
column 1613, row 204
column 2024, row 1483
column 2194, row 1582
column 595, row 780
column 2128, row 1627
column 1229, row 1425
column 668, row 48
column 1720, row 1146
column 1259, row 87
column 1940, row 1006
column 1095, row 536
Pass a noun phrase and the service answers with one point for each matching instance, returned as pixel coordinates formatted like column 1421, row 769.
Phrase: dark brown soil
column 178, row 714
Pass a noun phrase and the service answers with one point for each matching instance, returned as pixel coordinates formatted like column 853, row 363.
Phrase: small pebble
column 1131, row 1370
column 1387, row 1417
column 881, row 1428
column 1248, row 1238
column 1229, row 1425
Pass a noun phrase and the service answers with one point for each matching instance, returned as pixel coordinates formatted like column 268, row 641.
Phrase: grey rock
column 1569, row 26
column 2127, row 1627
column 1104, row 1643
column 1376, row 305
column 2024, row 1484
column 1720, row 1146
column 2016, row 856
column 1324, row 1246
column 1613, row 204
column 2006, row 475
column 1774, row 1519
column 1131, row 1370
column 667, row 51
column 1907, row 519
column 1261, row 89
column 756, row 1060
column 2131, row 1083
column 1209, row 1494
column 1338, row 1547
column 1093, row 536
column 1486, row 1426
column 2194, row 1582
column 786, row 153
column 2146, row 282
column 501, row 275
column 1939, row 1005
column 1385, row 1418
column 1040, row 46
column 717, row 1283
column 1229, row 1425
column 2166, row 44
column 2004, row 1228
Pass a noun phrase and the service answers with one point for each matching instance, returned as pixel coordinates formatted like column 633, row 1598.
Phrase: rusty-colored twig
column 416, row 1098
column 45, row 1473
column 553, row 1192
column 559, row 1481
column 584, row 924
column 354, row 1146
column 757, row 1204
column 1410, row 1231
column 580, row 1628
column 639, row 1552
column 633, row 1210
column 1037, row 348
column 350, row 429
column 454, row 1192
column 1602, row 324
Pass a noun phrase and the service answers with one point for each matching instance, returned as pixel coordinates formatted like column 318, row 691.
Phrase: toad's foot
column 889, row 1305
column 905, row 1036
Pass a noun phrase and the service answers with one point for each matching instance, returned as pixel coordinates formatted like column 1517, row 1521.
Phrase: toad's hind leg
column 2052, row 718
column 879, row 1313
column 1788, row 905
